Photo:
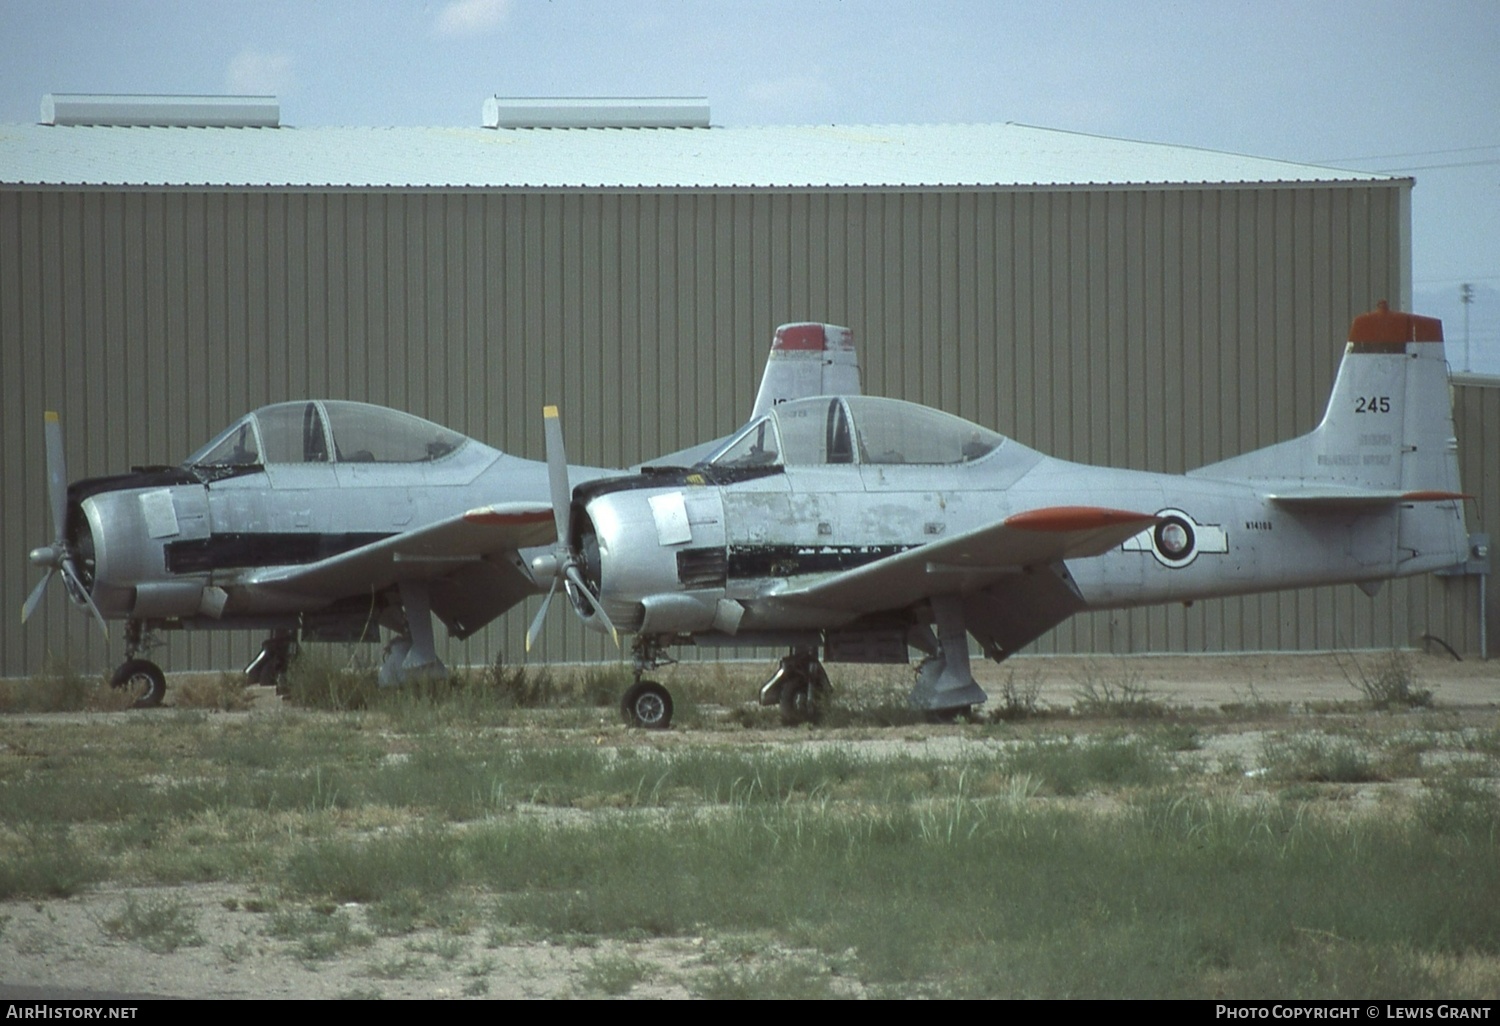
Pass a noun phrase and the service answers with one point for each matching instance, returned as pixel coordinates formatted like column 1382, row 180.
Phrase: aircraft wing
column 975, row 559
column 437, row 550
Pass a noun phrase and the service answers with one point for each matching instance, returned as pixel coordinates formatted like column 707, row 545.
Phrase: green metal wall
column 1150, row 328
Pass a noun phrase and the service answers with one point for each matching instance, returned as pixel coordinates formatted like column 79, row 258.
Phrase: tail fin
column 806, row 360
column 1389, row 423
column 1386, row 440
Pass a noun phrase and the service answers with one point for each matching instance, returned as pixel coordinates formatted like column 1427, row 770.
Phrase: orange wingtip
column 491, row 517
column 1077, row 518
column 1433, row 496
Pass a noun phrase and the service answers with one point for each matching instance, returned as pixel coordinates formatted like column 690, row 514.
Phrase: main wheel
column 143, row 679
column 801, row 700
column 648, row 705
column 953, row 714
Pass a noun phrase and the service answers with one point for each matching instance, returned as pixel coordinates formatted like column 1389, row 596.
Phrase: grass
column 317, row 934
column 1043, row 857
column 1117, row 694
column 1390, row 684
column 60, row 687
column 161, row 926
column 615, row 974
column 225, row 693
column 1321, row 760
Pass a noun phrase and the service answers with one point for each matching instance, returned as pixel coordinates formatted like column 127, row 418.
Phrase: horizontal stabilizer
column 1333, row 499
column 429, row 552
column 975, row 559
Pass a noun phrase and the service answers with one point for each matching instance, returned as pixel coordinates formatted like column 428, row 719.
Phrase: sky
column 1410, row 87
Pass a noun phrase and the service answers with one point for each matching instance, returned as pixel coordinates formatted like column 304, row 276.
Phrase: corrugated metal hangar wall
column 1145, row 327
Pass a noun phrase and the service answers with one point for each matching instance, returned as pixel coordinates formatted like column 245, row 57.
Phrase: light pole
column 1466, row 297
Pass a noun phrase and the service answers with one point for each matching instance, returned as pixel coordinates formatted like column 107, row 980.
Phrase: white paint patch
column 160, row 514
column 670, row 512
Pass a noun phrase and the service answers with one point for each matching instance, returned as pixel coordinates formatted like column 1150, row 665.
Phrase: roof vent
column 596, row 112
column 161, row 111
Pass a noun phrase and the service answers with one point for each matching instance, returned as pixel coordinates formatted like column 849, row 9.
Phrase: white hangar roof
column 797, row 157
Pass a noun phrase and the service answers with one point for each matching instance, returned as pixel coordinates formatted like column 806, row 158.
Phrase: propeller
column 562, row 564
column 58, row 557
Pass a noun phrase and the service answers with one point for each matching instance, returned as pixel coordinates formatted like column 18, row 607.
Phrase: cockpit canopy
column 856, row 429
column 327, row 431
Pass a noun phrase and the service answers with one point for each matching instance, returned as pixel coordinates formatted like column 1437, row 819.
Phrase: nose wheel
column 143, row 680
column 647, row 705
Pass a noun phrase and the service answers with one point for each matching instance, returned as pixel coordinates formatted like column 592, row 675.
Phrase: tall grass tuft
column 1121, row 695
column 1390, row 684
column 317, row 680
column 58, row 688
column 226, row 693
column 43, row 861
column 159, row 925
column 1319, row 760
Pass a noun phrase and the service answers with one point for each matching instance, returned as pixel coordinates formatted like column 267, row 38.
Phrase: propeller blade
column 35, row 597
column 575, row 576
column 57, row 475
column 541, row 614
column 75, row 586
column 557, row 473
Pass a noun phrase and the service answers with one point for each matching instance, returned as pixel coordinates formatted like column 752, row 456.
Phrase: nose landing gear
column 141, row 678
column 647, row 704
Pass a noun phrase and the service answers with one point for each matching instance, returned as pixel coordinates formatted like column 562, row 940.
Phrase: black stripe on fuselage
column 672, row 477
column 790, row 560
column 234, row 550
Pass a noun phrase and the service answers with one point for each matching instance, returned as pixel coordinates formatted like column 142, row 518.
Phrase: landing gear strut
column 647, row 704
column 799, row 686
column 270, row 666
column 412, row 653
column 945, row 686
column 141, row 678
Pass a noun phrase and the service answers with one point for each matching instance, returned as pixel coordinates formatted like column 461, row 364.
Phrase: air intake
column 161, row 111
column 596, row 112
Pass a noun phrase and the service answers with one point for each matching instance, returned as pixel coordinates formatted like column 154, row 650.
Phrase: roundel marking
column 1174, row 543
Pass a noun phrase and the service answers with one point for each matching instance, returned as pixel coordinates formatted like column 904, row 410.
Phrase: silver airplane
column 331, row 520
column 855, row 528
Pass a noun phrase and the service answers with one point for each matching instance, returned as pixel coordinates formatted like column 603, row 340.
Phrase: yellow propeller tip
column 550, row 412
column 51, row 417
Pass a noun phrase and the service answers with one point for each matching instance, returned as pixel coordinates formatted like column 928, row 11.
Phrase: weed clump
column 1392, row 684
column 1456, row 806
column 159, row 926
column 316, row 680
column 319, row 933
column 1020, row 697
column 520, row 687
column 1122, row 696
column 58, row 688
column 45, row 862
column 1318, row 760
column 225, row 694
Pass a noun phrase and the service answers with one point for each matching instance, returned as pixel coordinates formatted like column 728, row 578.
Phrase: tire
column 801, row 701
column 647, row 705
column 142, row 678
column 955, row 714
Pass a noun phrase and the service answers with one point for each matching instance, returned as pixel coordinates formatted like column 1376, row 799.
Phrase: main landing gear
column 270, row 666
column 799, row 686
